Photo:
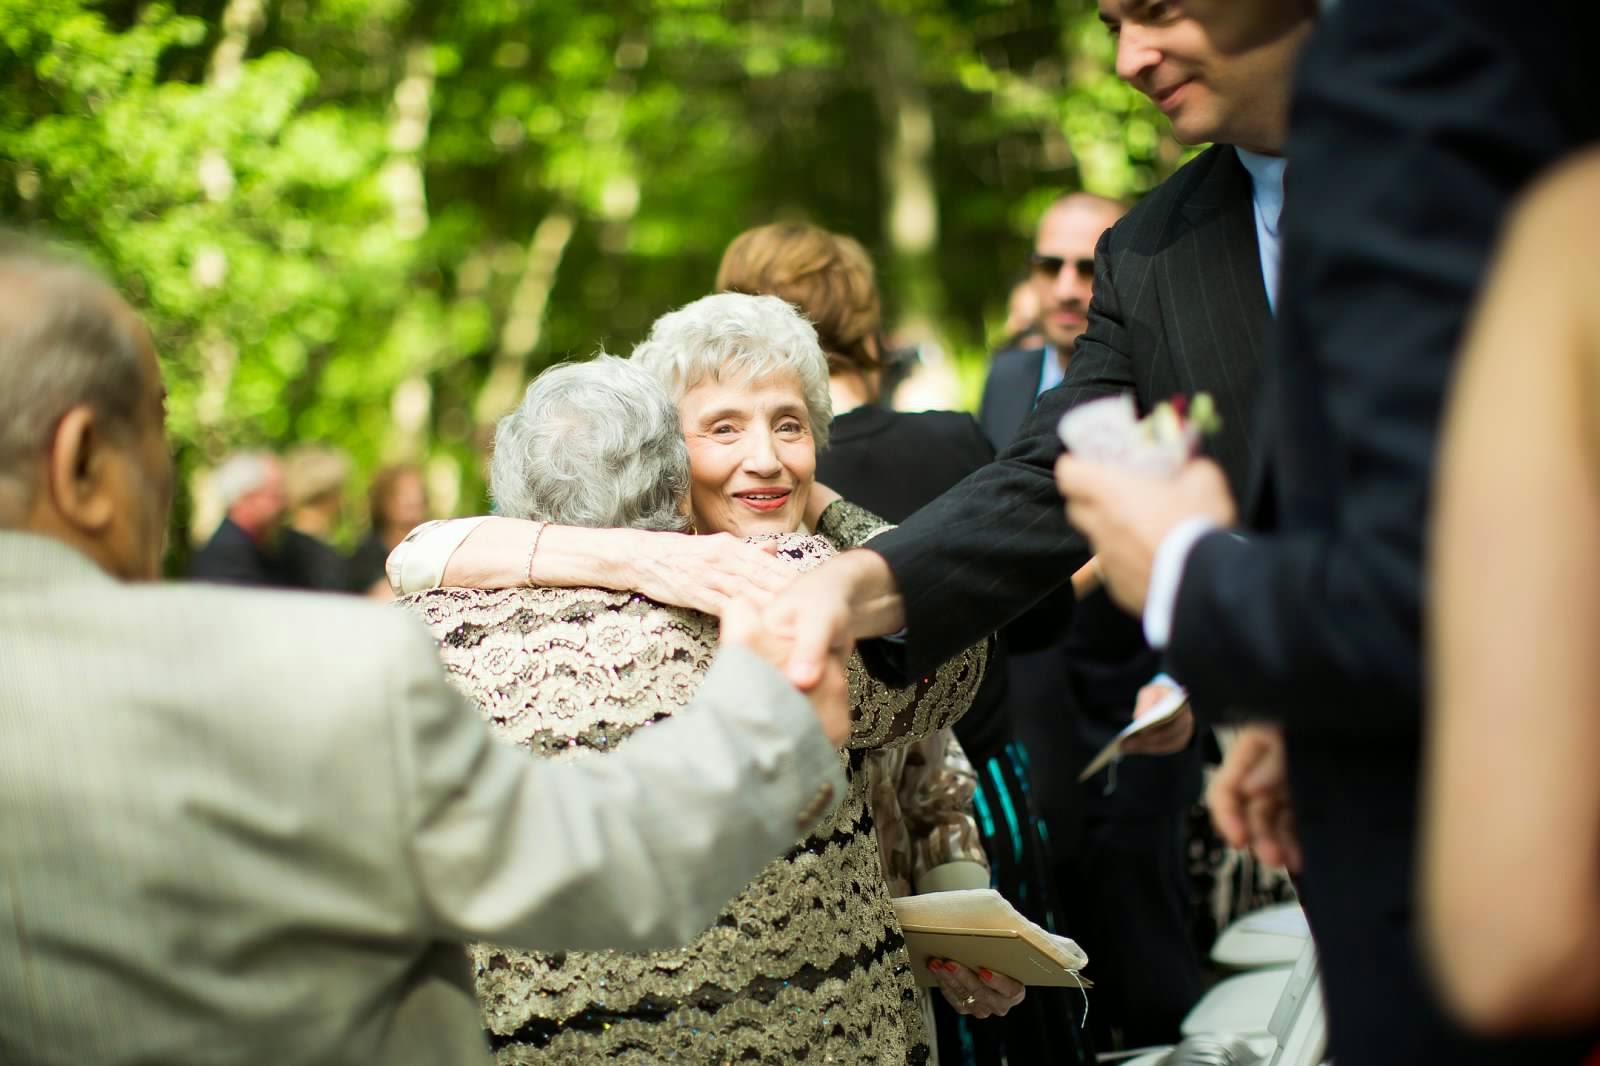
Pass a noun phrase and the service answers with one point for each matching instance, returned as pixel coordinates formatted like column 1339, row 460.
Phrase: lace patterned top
column 808, row 962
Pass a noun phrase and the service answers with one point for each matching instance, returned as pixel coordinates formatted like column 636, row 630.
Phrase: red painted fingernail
column 933, row 964
column 987, row 975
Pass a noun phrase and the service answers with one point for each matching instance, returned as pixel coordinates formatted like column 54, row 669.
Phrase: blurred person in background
column 892, row 463
column 247, row 547
column 1511, row 888
column 398, row 501
column 810, row 960
column 314, row 480
column 1068, row 692
column 1060, row 284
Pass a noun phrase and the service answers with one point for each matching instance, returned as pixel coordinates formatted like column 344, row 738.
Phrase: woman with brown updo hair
column 893, row 463
column 399, row 501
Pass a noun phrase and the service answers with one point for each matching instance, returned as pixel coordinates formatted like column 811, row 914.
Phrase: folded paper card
column 981, row 930
column 1170, row 704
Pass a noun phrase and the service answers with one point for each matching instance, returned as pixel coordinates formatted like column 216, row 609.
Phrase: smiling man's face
column 1220, row 71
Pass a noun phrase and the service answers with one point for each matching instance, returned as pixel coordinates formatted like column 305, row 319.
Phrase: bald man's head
column 1063, row 264
column 82, row 442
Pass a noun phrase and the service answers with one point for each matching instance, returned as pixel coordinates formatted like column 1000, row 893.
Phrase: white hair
column 593, row 444
column 241, row 474
column 734, row 336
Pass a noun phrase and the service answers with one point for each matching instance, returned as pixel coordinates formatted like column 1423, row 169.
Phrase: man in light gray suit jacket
column 241, row 826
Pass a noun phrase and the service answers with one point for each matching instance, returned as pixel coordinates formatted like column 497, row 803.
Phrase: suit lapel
column 1027, row 393
column 1015, row 388
column 1214, row 303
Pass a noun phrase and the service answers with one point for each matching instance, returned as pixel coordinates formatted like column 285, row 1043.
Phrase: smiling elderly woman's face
column 752, row 456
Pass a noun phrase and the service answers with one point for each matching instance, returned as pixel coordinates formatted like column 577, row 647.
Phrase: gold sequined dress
column 807, row 964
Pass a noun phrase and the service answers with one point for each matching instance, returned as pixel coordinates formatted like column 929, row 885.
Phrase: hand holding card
column 1170, row 706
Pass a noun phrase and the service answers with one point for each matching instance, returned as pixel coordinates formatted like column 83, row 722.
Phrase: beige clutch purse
column 981, row 930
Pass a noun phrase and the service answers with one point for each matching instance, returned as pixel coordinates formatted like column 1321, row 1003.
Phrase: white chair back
column 1299, row 1022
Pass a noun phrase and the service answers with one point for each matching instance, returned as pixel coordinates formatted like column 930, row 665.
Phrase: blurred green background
column 368, row 222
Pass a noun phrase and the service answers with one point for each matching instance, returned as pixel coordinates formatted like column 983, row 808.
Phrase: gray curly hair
column 593, row 444
column 736, row 336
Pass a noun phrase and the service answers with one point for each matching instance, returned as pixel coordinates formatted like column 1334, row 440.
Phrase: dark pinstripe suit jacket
column 1178, row 307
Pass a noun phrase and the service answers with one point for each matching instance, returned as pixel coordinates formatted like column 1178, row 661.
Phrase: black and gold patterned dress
column 807, row 964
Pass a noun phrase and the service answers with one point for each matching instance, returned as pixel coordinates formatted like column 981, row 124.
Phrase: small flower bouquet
column 1110, row 431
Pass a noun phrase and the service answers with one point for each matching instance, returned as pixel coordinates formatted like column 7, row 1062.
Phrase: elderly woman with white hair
column 809, row 962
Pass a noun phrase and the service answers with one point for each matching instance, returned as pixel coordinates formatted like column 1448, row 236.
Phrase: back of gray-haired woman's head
column 65, row 339
column 593, row 444
column 736, row 337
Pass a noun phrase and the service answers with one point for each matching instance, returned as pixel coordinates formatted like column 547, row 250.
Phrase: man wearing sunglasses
column 1061, row 277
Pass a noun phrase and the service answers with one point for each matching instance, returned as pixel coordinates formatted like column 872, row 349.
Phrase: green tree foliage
column 369, row 222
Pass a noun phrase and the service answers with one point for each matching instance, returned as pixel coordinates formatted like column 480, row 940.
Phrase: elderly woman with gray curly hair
column 808, row 962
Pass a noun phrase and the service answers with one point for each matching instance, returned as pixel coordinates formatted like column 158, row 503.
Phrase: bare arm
column 702, row 573
column 1512, row 888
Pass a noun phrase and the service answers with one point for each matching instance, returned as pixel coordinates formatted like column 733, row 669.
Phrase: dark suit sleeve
column 998, row 543
column 1387, row 231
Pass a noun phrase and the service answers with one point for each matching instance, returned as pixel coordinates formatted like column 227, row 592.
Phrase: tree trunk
column 402, row 180
column 905, row 163
column 911, row 211
column 519, row 335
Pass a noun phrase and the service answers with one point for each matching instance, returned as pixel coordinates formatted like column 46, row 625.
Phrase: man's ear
column 78, row 474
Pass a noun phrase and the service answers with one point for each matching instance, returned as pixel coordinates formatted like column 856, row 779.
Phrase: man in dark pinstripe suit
column 1181, row 302
column 1416, row 124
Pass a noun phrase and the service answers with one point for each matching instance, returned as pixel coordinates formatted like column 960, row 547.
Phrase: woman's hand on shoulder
column 705, row 573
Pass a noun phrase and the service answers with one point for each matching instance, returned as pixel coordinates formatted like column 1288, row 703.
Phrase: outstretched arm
column 635, row 851
column 699, row 572
column 982, row 554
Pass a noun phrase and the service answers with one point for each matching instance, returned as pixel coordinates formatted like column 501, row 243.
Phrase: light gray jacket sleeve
column 635, row 850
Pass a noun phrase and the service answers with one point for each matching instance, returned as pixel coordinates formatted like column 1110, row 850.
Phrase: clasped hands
column 743, row 625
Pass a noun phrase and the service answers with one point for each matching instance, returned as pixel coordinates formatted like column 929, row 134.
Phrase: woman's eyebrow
column 719, row 413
